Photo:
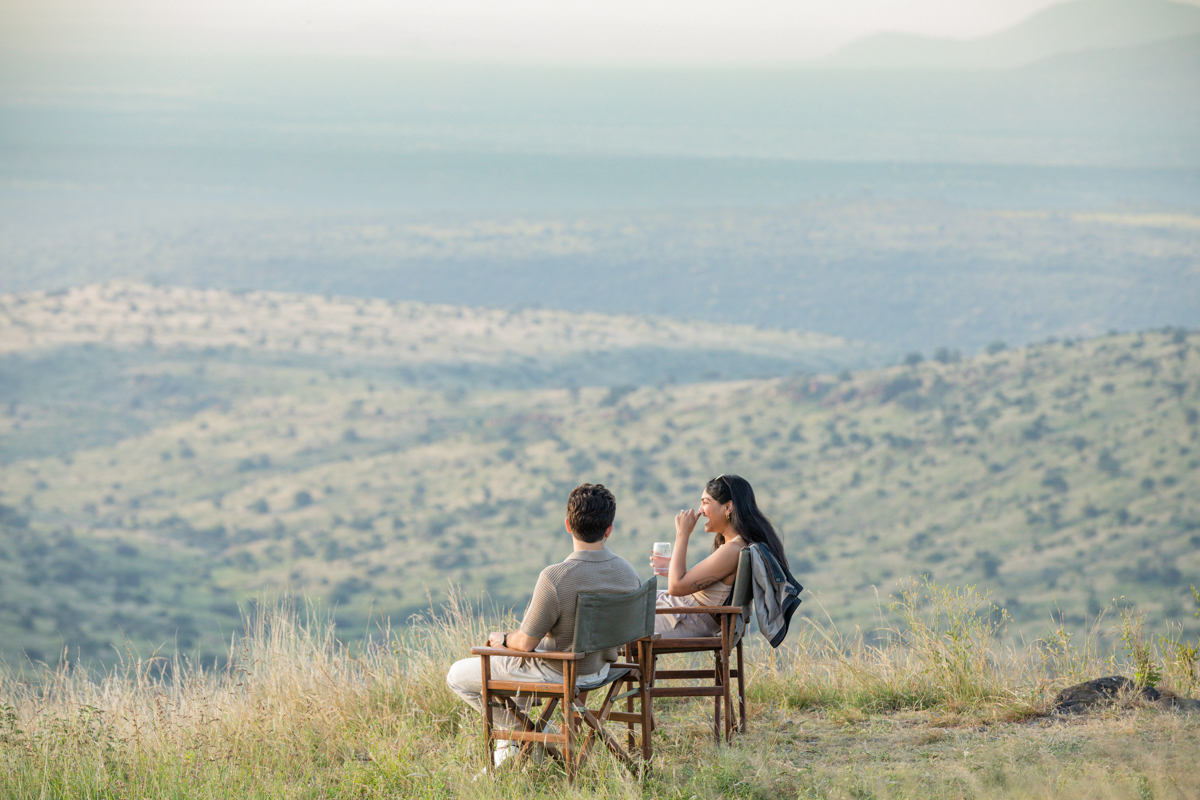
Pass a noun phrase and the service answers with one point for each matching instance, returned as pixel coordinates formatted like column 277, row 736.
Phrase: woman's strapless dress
column 681, row 626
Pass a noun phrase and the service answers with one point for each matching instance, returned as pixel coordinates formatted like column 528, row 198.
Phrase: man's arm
column 516, row 640
column 539, row 618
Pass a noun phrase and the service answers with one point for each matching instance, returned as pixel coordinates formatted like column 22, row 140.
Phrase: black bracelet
column 504, row 640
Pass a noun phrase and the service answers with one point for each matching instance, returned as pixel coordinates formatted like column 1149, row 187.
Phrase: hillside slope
column 1064, row 28
column 182, row 481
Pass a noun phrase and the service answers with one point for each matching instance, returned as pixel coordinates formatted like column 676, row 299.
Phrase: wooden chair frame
column 567, row 695
column 723, row 647
column 571, row 699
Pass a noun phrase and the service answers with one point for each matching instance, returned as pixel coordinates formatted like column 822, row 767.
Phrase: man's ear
column 567, row 525
column 608, row 532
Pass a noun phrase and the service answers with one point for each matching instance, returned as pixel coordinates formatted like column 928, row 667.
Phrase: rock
column 1185, row 704
column 1102, row 691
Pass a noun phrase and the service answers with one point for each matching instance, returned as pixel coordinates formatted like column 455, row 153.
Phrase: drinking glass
column 660, row 557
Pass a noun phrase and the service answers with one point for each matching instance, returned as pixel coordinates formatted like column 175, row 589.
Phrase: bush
column 1036, row 430
column 615, row 394
column 898, row 386
column 1054, row 481
column 944, row 355
column 254, row 462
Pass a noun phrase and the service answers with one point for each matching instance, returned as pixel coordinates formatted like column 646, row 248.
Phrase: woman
column 732, row 516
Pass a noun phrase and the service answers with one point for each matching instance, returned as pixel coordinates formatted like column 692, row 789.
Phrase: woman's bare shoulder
column 728, row 555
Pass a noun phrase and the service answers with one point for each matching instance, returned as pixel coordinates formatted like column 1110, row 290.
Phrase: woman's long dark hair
column 745, row 518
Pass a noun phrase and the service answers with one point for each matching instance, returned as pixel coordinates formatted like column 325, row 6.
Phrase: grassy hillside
column 950, row 715
column 152, row 481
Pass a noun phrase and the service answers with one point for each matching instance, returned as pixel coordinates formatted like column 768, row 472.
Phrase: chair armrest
column 699, row 610
column 549, row 655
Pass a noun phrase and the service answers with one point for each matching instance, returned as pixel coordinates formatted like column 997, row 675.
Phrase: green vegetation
column 160, row 470
column 941, row 710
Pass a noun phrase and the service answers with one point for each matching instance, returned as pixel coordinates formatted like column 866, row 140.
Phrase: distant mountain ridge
column 1067, row 28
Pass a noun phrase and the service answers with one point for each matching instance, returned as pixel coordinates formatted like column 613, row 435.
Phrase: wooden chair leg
column 646, row 666
column 540, row 726
column 595, row 723
column 717, row 698
column 633, row 652
column 727, row 697
column 485, row 663
column 568, row 707
column 741, row 670
column 725, row 682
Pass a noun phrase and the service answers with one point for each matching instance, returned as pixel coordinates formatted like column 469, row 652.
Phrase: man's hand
column 517, row 640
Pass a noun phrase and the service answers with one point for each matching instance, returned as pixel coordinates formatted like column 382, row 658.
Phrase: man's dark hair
column 590, row 510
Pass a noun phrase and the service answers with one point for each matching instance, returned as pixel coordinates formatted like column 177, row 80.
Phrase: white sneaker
column 504, row 751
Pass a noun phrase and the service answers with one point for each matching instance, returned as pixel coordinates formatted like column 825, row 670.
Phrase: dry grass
column 933, row 709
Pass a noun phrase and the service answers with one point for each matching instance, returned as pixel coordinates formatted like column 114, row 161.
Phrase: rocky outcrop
column 1102, row 691
column 1181, row 704
column 1086, row 696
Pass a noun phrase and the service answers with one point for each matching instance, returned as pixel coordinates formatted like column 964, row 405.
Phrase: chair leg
column 568, row 707
column 630, row 738
column 646, row 666
column 725, row 683
column 595, row 723
column 486, row 698
column 717, row 698
column 540, row 727
column 652, row 660
column 728, row 697
column 741, row 669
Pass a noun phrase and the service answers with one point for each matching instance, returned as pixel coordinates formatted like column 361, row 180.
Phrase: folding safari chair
column 715, row 682
column 602, row 621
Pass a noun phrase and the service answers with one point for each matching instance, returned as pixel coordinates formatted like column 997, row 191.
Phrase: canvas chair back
column 742, row 593
column 604, row 621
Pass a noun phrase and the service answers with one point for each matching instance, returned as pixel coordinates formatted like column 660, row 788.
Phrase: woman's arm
column 719, row 565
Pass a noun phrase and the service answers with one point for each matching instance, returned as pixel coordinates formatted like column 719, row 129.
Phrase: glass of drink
column 660, row 557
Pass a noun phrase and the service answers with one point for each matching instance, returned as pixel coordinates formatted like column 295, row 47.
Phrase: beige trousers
column 686, row 626
column 465, row 679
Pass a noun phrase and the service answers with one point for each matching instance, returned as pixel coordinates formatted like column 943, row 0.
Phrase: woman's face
column 715, row 519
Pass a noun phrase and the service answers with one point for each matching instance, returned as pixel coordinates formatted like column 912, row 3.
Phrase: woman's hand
column 685, row 522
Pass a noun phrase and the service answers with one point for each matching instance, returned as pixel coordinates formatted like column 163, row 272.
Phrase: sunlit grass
column 932, row 705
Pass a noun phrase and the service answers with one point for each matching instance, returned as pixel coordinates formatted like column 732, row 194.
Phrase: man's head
column 590, row 512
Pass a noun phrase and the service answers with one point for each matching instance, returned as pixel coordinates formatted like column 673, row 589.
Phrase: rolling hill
column 1065, row 28
column 152, row 481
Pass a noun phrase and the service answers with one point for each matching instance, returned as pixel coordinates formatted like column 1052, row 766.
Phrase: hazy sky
column 656, row 30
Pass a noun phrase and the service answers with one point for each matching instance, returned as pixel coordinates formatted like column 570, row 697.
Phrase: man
column 549, row 622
